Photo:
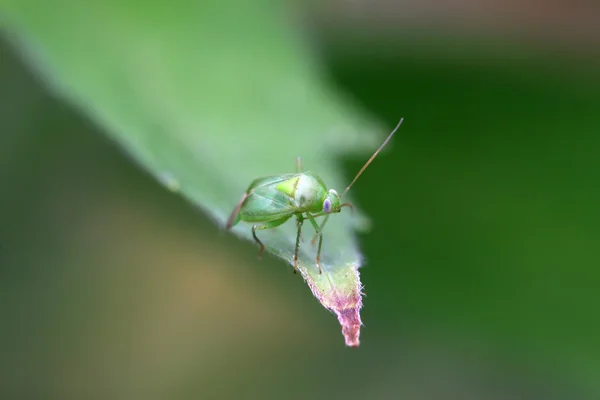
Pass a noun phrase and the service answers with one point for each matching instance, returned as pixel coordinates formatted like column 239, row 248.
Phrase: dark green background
column 481, row 268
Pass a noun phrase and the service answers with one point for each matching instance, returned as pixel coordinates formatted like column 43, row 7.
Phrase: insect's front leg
column 320, row 234
column 268, row 225
column 319, row 230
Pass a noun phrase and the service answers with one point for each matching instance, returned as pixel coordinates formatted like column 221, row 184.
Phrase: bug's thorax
column 310, row 192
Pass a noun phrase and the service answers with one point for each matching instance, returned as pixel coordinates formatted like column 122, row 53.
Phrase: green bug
column 272, row 200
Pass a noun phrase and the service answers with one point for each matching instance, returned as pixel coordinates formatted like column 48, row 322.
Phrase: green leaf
column 208, row 96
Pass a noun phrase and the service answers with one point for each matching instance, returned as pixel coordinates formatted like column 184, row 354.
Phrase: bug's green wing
column 266, row 201
column 272, row 180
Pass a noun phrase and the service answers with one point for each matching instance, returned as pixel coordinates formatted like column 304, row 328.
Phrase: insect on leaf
column 207, row 96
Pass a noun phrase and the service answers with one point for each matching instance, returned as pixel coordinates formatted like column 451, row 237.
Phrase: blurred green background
column 481, row 268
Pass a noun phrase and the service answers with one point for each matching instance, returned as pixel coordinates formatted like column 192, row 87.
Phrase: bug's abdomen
column 266, row 204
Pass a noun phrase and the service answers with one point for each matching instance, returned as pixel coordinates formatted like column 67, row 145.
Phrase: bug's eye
column 327, row 206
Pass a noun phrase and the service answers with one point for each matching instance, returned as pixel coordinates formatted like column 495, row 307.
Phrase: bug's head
column 331, row 204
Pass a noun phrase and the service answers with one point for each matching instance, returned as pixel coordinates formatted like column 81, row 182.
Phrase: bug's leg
column 319, row 229
column 314, row 239
column 268, row 225
column 232, row 218
column 262, row 246
column 299, row 164
column 320, row 235
column 298, row 226
column 300, row 219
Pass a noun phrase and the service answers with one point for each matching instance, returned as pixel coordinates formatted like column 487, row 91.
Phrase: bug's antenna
column 372, row 157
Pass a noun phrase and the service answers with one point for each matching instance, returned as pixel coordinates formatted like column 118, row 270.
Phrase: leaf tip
column 341, row 294
column 349, row 318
